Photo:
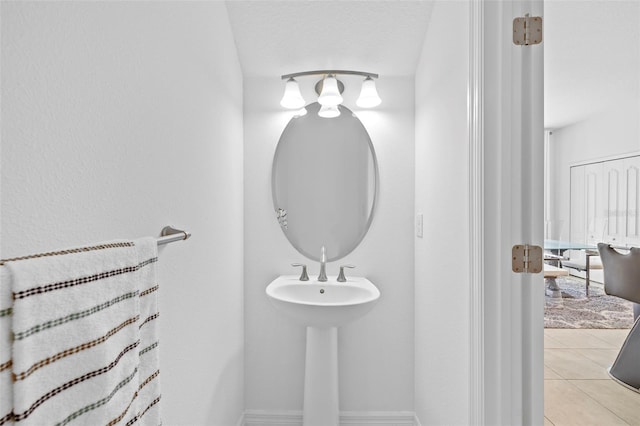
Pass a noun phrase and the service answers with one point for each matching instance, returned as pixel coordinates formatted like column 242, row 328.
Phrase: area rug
column 576, row 310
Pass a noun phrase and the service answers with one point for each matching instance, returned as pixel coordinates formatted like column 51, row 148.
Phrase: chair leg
column 553, row 289
column 587, row 275
column 626, row 368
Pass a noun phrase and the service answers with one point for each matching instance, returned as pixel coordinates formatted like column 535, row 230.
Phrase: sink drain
column 322, row 291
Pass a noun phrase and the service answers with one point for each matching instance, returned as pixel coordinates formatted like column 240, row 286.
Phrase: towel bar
column 168, row 234
column 171, row 234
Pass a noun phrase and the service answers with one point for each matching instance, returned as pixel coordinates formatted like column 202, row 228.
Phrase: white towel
column 6, row 390
column 85, row 336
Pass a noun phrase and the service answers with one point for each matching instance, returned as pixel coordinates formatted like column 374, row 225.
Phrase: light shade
column 300, row 112
column 368, row 95
column 329, row 111
column 292, row 98
column 330, row 95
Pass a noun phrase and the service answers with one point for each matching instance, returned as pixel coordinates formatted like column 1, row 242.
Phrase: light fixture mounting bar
column 326, row 72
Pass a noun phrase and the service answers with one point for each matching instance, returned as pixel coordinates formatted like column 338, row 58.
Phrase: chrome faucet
column 323, row 266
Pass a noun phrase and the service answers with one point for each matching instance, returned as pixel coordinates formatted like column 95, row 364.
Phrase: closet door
column 615, row 202
column 578, row 230
column 632, row 191
column 594, row 203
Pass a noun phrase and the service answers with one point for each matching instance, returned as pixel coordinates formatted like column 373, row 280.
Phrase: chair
column 622, row 279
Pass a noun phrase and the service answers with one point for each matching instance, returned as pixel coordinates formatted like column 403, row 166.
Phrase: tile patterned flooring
column 577, row 388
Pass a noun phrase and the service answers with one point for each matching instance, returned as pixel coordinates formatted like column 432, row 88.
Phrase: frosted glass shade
column 330, row 95
column 368, row 95
column 292, row 98
column 329, row 111
column 300, row 112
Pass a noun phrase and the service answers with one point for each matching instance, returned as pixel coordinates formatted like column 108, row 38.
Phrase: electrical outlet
column 419, row 225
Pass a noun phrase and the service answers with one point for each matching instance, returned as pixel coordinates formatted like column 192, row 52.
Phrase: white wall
column 376, row 352
column 442, row 196
column 118, row 119
column 610, row 133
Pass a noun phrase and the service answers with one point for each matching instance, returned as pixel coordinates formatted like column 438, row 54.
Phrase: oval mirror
column 324, row 183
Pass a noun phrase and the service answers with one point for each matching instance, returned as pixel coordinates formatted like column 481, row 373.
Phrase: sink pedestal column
column 321, row 378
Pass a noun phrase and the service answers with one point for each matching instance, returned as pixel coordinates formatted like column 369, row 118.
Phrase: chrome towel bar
column 171, row 234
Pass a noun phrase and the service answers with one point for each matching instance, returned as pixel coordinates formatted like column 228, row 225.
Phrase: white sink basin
column 323, row 304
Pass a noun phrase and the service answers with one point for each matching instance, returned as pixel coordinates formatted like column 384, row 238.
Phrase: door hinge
column 526, row 259
column 527, row 30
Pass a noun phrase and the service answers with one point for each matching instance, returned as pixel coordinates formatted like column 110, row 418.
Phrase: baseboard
column 347, row 418
column 379, row 418
column 272, row 418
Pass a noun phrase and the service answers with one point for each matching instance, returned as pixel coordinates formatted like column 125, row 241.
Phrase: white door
column 594, row 207
column 588, row 204
column 513, row 144
column 578, row 205
column 632, row 198
column 615, row 205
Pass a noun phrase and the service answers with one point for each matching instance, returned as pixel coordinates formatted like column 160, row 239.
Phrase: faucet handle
column 303, row 276
column 341, row 277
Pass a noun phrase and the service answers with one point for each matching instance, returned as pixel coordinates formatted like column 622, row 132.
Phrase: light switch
column 419, row 225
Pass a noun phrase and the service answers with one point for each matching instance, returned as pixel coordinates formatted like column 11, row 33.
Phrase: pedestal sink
column 322, row 307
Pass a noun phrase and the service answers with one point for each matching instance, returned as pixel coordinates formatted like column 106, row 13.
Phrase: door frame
column 506, row 180
column 476, row 213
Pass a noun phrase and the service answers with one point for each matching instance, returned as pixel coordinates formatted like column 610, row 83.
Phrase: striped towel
column 79, row 336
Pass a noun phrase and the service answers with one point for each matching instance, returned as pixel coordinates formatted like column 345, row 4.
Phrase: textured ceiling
column 282, row 37
column 592, row 48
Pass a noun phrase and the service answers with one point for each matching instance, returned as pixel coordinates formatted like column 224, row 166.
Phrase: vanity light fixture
column 330, row 94
column 329, row 89
column 292, row 98
column 368, row 95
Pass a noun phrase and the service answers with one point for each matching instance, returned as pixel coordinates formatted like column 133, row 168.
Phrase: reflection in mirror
column 324, row 183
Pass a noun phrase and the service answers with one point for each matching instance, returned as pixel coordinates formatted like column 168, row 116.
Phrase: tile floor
column 577, row 388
